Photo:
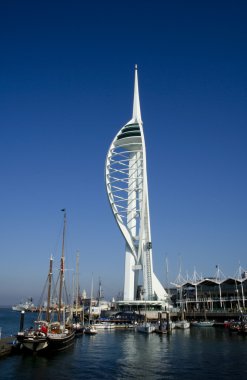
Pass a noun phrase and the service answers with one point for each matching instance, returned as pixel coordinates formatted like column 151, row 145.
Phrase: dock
column 7, row 346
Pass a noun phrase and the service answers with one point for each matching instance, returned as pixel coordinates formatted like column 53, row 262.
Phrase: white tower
column 127, row 190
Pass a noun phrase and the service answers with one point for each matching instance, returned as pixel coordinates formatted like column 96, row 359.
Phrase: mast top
column 136, row 116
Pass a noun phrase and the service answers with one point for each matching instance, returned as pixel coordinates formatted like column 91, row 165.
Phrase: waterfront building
column 127, row 190
column 217, row 293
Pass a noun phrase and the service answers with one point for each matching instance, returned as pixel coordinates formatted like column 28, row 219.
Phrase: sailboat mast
column 91, row 296
column 77, row 283
column 62, row 268
column 99, row 293
column 49, row 291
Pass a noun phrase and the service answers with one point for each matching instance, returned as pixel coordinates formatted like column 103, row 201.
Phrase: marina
column 125, row 354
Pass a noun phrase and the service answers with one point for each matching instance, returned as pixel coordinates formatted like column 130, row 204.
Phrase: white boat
column 145, row 328
column 25, row 306
column 105, row 325
column 202, row 323
column 78, row 327
column 182, row 324
column 125, row 326
column 90, row 330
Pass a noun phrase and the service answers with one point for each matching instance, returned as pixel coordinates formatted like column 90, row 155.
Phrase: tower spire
column 136, row 103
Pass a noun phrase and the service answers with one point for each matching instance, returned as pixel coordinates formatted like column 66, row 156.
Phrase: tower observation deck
column 127, row 190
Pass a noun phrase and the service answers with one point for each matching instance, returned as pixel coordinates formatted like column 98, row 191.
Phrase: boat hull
column 32, row 343
column 59, row 342
column 50, row 342
column 105, row 326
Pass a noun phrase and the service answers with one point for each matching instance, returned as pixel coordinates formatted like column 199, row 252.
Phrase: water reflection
column 196, row 353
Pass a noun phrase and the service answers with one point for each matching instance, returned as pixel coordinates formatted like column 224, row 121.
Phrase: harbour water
column 196, row 353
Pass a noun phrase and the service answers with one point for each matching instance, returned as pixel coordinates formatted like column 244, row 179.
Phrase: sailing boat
column 90, row 328
column 183, row 323
column 145, row 327
column 35, row 338
column 204, row 323
column 61, row 333
column 78, row 323
column 49, row 335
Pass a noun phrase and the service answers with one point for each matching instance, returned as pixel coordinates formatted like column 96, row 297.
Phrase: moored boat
column 239, row 326
column 202, row 323
column 79, row 328
column 90, row 327
column 105, row 325
column 161, row 329
column 90, row 330
column 35, row 338
column 55, row 332
column 165, row 325
column 183, row 324
column 145, row 328
column 78, row 318
column 60, row 337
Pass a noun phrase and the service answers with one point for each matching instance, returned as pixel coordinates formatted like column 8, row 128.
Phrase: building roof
column 212, row 282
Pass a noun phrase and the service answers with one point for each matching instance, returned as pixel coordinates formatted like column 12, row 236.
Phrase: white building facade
column 127, row 190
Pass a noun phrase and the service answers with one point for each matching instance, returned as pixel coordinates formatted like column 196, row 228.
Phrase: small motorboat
column 202, row 323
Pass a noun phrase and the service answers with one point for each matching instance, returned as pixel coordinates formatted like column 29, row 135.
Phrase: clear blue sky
column 66, row 88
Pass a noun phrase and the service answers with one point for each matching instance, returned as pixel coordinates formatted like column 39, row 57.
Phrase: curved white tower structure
column 127, row 190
